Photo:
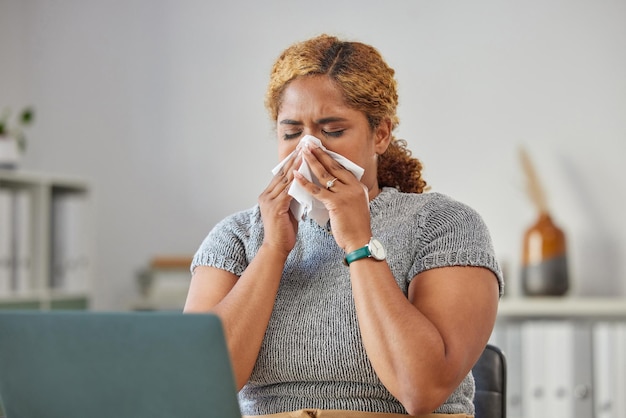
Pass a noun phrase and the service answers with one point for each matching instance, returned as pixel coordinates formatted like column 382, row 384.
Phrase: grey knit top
column 312, row 355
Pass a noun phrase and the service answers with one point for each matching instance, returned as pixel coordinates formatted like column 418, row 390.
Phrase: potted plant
column 12, row 137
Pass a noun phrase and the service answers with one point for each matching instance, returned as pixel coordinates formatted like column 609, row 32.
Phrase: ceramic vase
column 544, row 270
column 9, row 153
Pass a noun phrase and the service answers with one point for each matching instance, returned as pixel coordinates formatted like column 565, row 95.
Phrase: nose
column 317, row 134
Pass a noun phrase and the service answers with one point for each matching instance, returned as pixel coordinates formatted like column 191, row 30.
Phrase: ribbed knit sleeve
column 453, row 234
column 232, row 243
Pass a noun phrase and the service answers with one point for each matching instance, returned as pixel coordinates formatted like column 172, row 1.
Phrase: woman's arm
column 243, row 304
column 422, row 347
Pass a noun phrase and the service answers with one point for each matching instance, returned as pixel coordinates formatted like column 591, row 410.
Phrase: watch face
column 376, row 249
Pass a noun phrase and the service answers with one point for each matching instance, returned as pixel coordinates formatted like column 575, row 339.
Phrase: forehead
column 312, row 94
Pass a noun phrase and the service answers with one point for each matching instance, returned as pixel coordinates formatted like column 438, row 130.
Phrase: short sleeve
column 453, row 234
column 226, row 245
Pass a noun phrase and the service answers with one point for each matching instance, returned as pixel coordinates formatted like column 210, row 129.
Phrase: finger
column 330, row 183
column 283, row 178
column 325, row 167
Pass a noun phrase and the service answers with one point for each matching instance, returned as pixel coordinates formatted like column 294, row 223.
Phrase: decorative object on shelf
column 544, row 270
column 163, row 285
column 12, row 138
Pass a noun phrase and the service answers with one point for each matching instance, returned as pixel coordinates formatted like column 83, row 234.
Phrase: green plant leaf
column 27, row 116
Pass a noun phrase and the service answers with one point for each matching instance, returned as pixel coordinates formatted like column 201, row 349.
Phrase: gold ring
column 330, row 183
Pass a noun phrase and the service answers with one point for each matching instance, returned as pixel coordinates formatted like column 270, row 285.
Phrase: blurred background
column 158, row 105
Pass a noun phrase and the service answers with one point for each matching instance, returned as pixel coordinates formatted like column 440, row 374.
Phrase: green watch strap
column 362, row 252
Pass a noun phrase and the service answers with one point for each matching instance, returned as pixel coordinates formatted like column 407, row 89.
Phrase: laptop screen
column 128, row 364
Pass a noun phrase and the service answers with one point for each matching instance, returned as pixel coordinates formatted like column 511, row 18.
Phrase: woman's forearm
column 418, row 359
column 246, row 308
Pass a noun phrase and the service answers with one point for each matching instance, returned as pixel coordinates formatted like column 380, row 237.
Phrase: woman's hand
column 347, row 200
column 279, row 224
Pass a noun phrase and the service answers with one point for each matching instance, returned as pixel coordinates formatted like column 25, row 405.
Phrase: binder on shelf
column 69, row 253
column 582, row 369
column 22, row 257
column 6, row 228
column 558, row 375
column 620, row 369
column 604, row 335
column 513, row 352
column 569, row 376
column 533, row 351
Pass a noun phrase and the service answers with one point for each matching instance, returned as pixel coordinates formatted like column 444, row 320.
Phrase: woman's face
column 315, row 106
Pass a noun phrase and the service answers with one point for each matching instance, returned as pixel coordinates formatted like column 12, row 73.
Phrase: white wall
column 160, row 105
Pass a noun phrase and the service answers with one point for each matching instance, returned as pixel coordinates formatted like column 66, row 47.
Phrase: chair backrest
column 490, row 376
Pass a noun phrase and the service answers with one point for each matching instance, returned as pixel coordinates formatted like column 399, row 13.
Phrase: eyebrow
column 290, row 122
column 321, row 121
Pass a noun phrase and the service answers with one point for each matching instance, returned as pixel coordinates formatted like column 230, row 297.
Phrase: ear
column 382, row 136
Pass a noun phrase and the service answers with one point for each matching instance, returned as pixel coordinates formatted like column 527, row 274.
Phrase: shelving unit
column 557, row 355
column 562, row 307
column 37, row 202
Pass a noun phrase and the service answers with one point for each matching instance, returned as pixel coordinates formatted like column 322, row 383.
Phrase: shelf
column 45, row 300
column 46, row 239
column 562, row 307
column 70, row 302
column 29, row 178
column 22, row 297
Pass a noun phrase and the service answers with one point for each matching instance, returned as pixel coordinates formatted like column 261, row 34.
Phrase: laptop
column 66, row 364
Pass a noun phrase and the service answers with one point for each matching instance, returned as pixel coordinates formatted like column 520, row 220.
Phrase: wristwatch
column 373, row 249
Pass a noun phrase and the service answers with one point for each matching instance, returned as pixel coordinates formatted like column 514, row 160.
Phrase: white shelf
column 18, row 178
column 562, row 307
column 57, row 216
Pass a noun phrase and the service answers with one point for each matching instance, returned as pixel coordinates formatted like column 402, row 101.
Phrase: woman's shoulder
column 430, row 209
column 420, row 202
column 241, row 220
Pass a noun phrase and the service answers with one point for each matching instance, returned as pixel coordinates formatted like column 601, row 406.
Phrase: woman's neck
column 373, row 192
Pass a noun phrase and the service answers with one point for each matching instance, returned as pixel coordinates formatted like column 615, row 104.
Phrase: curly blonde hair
column 368, row 85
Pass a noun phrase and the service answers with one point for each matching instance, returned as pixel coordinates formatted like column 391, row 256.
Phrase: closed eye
column 294, row 135
column 293, row 128
column 334, row 134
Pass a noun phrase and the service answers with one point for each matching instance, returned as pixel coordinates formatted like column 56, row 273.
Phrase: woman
column 386, row 334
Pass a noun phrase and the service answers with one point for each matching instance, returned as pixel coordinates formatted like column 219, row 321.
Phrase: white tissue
column 304, row 204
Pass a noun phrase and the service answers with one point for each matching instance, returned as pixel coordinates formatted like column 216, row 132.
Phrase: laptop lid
column 115, row 365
